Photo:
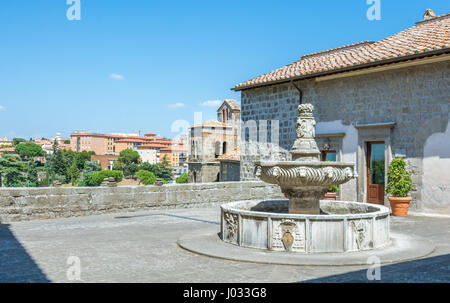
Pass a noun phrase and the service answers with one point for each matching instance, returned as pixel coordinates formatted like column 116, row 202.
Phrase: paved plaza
column 142, row 247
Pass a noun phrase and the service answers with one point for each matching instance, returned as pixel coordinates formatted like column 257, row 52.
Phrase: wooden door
column 375, row 172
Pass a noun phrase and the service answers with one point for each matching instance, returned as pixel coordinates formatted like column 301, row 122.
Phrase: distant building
column 230, row 165
column 113, row 144
column 6, row 150
column 6, row 142
column 148, row 155
column 209, row 140
column 105, row 161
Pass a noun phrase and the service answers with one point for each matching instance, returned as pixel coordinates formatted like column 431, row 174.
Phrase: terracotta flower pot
column 330, row 196
column 400, row 205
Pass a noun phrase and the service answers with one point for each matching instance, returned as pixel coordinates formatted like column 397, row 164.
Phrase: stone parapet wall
column 19, row 204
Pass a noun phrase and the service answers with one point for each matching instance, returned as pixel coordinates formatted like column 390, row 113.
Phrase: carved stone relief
column 287, row 236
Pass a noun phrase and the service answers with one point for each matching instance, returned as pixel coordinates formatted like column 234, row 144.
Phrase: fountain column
column 305, row 199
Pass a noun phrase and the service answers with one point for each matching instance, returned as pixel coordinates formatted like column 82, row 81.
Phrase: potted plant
column 398, row 186
column 332, row 192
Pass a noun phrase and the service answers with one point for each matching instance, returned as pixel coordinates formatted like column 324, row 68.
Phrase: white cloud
column 117, row 77
column 176, row 105
column 2, row 108
column 211, row 103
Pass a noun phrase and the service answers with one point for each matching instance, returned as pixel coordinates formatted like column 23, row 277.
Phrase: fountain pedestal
column 304, row 200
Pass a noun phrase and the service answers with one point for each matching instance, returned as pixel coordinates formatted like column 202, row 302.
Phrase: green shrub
column 146, row 177
column 333, row 188
column 182, row 179
column 87, row 181
column 96, row 178
column 399, row 179
column 131, row 169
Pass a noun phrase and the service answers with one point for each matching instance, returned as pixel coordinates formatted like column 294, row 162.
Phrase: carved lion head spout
column 329, row 172
column 348, row 172
column 276, row 172
column 301, row 172
column 258, row 171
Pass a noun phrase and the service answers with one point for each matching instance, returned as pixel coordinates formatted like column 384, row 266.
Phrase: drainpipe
column 299, row 91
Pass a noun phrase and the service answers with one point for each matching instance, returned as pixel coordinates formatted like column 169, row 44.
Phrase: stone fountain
column 305, row 180
column 305, row 230
column 304, row 223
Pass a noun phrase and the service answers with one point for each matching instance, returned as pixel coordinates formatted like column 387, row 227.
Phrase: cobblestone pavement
column 141, row 247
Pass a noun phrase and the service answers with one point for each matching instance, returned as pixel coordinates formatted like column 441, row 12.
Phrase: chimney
column 429, row 14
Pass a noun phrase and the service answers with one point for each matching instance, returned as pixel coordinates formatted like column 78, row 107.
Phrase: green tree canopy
column 16, row 141
column 12, row 170
column 128, row 156
column 146, row 177
column 29, row 150
column 73, row 173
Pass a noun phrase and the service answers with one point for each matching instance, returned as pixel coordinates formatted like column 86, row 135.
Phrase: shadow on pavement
column 168, row 215
column 434, row 269
column 16, row 265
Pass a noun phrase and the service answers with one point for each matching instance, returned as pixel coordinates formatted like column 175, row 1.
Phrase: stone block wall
column 17, row 204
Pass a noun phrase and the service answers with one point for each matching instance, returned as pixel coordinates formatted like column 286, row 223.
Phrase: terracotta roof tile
column 211, row 123
column 234, row 155
column 426, row 36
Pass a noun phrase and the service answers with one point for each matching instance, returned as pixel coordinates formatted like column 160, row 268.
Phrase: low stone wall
column 18, row 204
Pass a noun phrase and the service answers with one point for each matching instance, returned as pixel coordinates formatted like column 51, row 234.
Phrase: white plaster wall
column 148, row 155
column 349, row 152
column 436, row 173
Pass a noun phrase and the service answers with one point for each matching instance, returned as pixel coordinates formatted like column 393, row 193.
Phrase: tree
column 82, row 158
column 159, row 170
column 31, row 174
column 128, row 156
column 17, row 141
column 164, row 169
column 146, row 177
column 12, row 170
column 29, row 150
column 91, row 166
column 130, row 169
column 58, row 165
column 73, row 173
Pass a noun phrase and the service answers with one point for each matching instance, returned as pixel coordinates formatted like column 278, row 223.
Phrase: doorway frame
column 368, row 155
column 376, row 132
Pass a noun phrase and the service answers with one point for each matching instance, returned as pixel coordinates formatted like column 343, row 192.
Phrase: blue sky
column 141, row 65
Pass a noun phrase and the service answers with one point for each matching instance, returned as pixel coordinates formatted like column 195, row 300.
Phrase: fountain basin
column 304, row 183
column 341, row 227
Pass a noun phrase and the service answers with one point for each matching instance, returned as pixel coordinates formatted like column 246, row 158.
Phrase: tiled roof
column 211, row 123
column 234, row 155
column 232, row 103
column 427, row 37
column 131, row 140
column 151, row 146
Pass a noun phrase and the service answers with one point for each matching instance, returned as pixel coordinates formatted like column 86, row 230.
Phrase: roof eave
column 350, row 68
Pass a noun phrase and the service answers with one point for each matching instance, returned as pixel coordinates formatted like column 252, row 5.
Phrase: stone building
column 209, row 140
column 230, row 165
column 373, row 101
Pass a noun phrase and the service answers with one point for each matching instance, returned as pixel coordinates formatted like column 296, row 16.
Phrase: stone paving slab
column 142, row 247
column 401, row 248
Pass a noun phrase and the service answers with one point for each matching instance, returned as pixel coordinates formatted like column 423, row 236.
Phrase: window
column 329, row 155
